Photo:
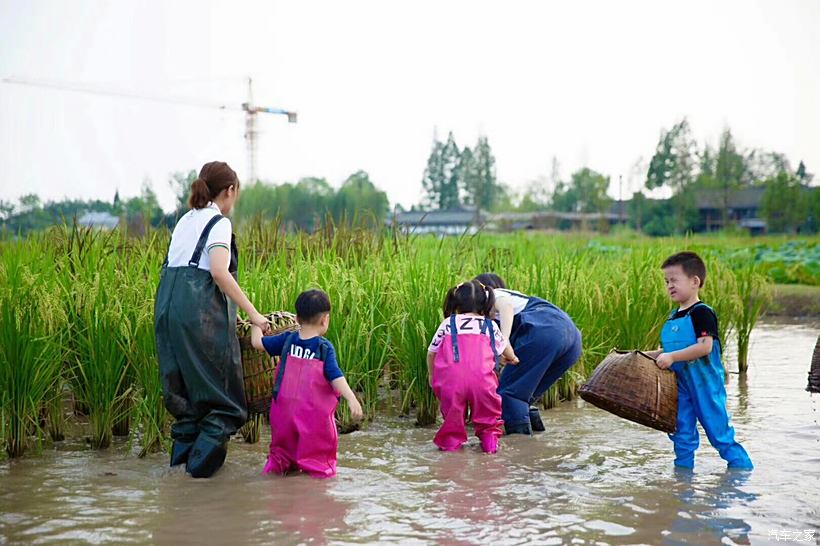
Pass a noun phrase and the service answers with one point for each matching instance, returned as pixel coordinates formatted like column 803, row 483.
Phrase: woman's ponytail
column 200, row 196
column 214, row 178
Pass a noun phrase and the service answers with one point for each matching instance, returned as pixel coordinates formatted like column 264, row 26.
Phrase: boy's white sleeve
column 442, row 331
column 220, row 235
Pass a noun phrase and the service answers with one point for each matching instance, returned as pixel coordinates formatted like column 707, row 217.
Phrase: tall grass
column 78, row 311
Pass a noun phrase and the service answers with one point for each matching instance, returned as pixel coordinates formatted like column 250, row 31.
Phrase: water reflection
column 592, row 478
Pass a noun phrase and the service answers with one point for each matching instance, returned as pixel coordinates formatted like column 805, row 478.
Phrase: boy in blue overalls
column 691, row 348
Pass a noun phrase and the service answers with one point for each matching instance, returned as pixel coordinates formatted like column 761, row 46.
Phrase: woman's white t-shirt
column 518, row 301
column 186, row 235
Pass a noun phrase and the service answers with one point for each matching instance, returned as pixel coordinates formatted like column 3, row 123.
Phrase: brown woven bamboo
column 630, row 385
column 814, row 372
column 257, row 366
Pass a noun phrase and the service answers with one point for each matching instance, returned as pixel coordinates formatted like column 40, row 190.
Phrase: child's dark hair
column 469, row 297
column 491, row 280
column 311, row 304
column 691, row 264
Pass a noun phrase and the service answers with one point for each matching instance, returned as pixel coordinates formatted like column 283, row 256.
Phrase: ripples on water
column 592, row 478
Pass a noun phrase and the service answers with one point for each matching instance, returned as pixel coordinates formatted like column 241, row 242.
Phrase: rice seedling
column 754, row 294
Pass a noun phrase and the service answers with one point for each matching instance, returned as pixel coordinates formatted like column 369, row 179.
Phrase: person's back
column 186, row 234
column 462, row 359
column 465, row 362
column 307, row 386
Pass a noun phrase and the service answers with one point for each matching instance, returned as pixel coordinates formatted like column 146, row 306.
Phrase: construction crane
column 249, row 107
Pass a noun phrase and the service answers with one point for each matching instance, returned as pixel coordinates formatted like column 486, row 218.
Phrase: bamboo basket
column 630, row 385
column 257, row 366
column 814, row 372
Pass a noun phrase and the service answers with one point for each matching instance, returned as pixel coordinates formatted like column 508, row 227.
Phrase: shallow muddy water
column 591, row 478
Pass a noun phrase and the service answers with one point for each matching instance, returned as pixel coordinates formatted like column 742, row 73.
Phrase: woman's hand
column 510, row 359
column 258, row 320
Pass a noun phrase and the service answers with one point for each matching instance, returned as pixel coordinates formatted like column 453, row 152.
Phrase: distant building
column 550, row 219
column 456, row 221
column 743, row 209
column 100, row 220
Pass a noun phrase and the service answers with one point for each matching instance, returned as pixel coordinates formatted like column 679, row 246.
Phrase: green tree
column 451, row 172
column 804, row 176
column 360, row 199
column 730, row 173
column 442, row 176
column 310, row 200
column 478, row 175
column 585, row 192
column 673, row 167
column 783, row 204
column 433, row 180
column 180, row 183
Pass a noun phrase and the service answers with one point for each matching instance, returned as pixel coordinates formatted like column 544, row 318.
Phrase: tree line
column 456, row 177
column 305, row 205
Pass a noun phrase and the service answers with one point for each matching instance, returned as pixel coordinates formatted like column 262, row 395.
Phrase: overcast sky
column 590, row 82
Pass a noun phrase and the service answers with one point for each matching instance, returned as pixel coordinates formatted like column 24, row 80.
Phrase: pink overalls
column 303, row 429
column 464, row 377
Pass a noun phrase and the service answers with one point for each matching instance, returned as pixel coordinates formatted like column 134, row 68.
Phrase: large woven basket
column 814, row 372
column 258, row 366
column 630, row 385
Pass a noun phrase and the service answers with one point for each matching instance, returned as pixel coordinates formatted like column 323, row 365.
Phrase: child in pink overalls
column 305, row 393
column 462, row 362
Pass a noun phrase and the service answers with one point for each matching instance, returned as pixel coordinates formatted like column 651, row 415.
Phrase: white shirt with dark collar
column 187, row 232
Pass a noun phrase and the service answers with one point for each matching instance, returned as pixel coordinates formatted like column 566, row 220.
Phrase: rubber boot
column 536, row 423
column 521, row 428
column 180, row 452
column 206, row 457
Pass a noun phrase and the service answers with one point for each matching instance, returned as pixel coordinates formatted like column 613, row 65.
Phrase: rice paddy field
column 77, row 351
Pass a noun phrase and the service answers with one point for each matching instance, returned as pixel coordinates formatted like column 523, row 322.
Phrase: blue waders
column 547, row 343
column 199, row 362
column 701, row 397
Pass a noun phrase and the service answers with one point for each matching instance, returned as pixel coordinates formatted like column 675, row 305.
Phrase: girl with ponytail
column 195, row 325
column 462, row 361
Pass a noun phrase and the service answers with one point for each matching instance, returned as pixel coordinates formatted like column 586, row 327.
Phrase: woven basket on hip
column 814, row 372
column 258, row 366
column 630, row 385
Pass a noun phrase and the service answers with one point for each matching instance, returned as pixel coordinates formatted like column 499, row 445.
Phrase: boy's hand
column 664, row 361
column 356, row 412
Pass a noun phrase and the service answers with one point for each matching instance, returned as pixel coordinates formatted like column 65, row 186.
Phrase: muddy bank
column 795, row 300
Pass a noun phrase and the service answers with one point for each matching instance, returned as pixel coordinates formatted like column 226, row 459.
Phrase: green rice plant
column 754, row 294
column 359, row 336
column 31, row 330
column 252, row 429
column 416, row 299
column 100, row 365
column 149, row 407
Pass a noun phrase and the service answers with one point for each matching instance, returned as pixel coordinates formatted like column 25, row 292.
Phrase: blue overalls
column 701, row 397
column 547, row 343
